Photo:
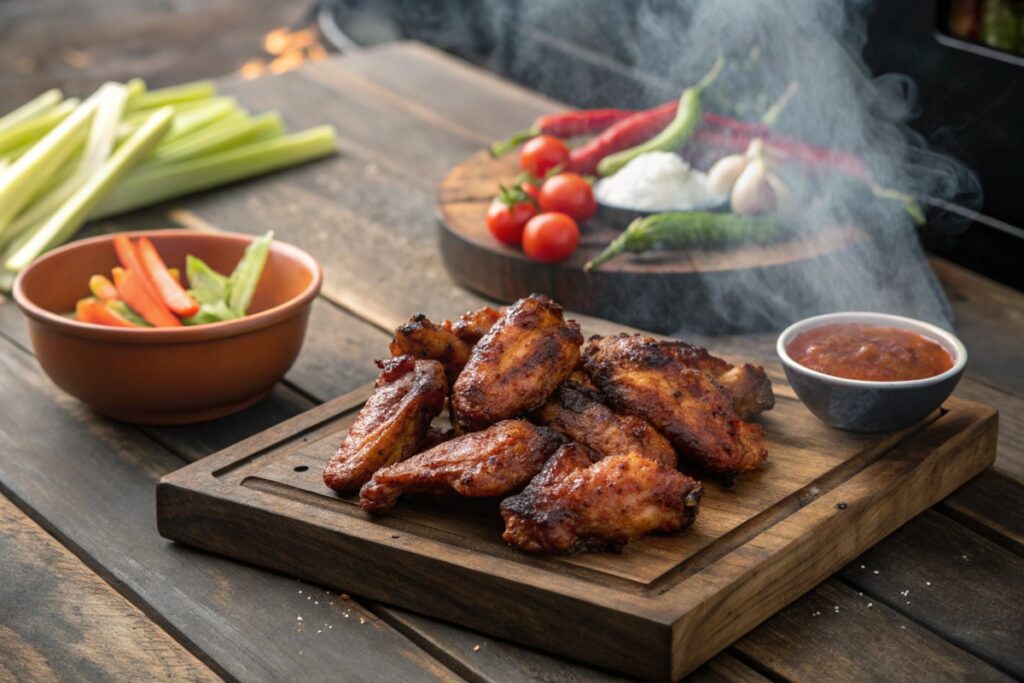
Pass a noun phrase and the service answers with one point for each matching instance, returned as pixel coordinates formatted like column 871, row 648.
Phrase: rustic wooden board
column 675, row 285
column 658, row 610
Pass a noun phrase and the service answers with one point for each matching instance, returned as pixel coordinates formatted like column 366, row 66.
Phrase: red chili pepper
column 626, row 133
column 787, row 149
column 642, row 126
column 568, row 124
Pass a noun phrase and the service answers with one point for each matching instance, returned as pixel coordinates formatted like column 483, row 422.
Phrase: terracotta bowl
column 176, row 375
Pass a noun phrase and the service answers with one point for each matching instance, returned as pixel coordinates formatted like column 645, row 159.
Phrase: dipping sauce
column 869, row 352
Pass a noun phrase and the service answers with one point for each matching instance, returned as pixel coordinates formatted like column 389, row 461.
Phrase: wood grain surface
column 368, row 214
column 822, row 498
column 62, row 622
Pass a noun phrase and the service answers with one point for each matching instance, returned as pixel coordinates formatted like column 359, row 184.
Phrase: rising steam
column 768, row 44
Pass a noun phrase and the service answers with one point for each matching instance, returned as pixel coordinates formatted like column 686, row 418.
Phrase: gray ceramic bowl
column 866, row 406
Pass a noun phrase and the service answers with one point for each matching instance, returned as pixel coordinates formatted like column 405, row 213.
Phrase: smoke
column 769, row 44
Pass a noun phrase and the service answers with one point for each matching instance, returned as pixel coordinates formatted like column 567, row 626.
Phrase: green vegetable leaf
column 246, row 276
column 211, row 313
column 207, row 285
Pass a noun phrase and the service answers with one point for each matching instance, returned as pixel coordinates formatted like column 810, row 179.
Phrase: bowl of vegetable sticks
column 189, row 326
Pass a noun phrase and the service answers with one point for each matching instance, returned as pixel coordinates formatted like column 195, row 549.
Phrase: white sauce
column 656, row 181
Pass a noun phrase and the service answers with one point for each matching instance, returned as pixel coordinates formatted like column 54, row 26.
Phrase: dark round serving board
column 664, row 291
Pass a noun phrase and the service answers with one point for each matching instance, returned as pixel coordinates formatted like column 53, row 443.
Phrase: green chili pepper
column 242, row 282
column 675, row 134
column 685, row 229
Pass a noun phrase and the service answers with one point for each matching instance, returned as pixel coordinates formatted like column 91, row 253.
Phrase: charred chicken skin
column 450, row 343
column 517, row 365
column 576, row 410
column 393, row 423
column 493, row 462
column 573, row 505
column 688, row 406
column 747, row 385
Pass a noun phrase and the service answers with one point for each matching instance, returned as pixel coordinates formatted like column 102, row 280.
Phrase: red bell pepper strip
column 102, row 288
column 170, row 290
column 96, row 312
column 128, row 255
column 132, row 287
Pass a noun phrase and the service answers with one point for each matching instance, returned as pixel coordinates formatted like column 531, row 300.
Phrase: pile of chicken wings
column 589, row 437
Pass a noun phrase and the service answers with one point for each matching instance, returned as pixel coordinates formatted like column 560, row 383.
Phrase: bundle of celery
column 63, row 161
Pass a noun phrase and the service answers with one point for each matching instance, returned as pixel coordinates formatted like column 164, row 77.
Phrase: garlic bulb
column 753, row 191
column 723, row 175
column 748, row 180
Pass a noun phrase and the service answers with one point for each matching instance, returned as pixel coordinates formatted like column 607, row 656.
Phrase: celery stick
column 111, row 98
column 246, row 275
column 218, row 137
column 175, row 94
column 30, row 131
column 151, row 185
column 31, row 170
column 136, row 88
column 31, row 109
column 207, row 286
column 70, row 216
column 189, row 122
column 221, row 124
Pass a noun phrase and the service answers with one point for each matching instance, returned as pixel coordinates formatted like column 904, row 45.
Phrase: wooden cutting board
column 662, row 292
column 657, row 610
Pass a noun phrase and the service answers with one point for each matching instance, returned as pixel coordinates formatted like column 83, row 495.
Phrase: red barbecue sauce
column 869, row 352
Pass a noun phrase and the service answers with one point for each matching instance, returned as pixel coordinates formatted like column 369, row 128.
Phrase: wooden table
column 88, row 590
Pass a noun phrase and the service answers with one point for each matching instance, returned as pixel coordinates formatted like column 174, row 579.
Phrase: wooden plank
column 79, row 45
column 952, row 581
column 62, row 622
column 990, row 320
column 479, row 657
column 991, row 505
column 269, row 487
column 241, row 622
column 800, row 643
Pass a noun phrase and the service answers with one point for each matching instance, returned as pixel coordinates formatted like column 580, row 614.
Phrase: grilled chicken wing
column 747, row 385
column 450, row 343
column 393, row 423
column 684, row 403
column 573, row 505
column 517, row 365
column 492, row 462
column 576, row 410
column 472, row 326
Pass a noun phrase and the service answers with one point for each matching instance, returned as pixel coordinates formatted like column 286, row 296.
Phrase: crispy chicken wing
column 393, row 423
column 422, row 338
column 747, row 385
column 576, row 410
column 472, row 326
column 450, row 343
column 517, row 365
column 492, row 462
column 688, row 406
column 573, row 505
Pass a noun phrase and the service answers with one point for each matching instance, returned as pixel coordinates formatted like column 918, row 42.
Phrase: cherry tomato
column 543, row 153
column 506, row 220
column 568, row 193
column 531, row 189
column 550, row 237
